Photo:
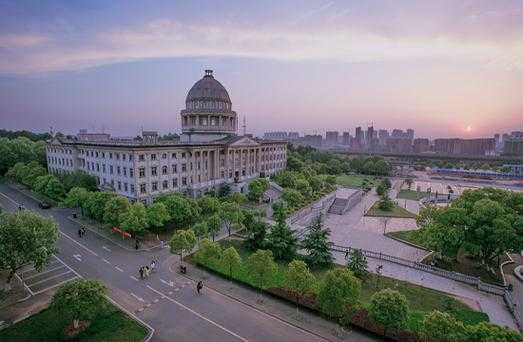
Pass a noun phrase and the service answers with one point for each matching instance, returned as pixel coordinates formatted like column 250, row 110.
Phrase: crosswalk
column 54, row 274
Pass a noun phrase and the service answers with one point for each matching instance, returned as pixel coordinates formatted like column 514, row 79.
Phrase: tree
column 40, row 183
column 409, row 182
column 78, row 179
column 299, row 279
column 114, row 208
column 339, row 289
column 256, row 233
column 280, row 211
column 81, row 299
column 231, row 260
column 134, row 220
column 157, row 215
column 208, row 205
column 25, row 238
column 209, row 252
column 317, row 244
column 257, row 188
column 303, row 186
column 293, row 198
column 442, row 327
column 183, row 212
column 357, row 263
column 214, row 224
column 282, row 241
column 237, row 198
column 386, row 203
column 95, row 204
column 381, row 189
column 201, row 230
column 182, row 241
column 231, row 215
column 34, row 170
column 389, row 308
column 76, row 197
column 262, row 268
column 490, row 332
column 54, row 189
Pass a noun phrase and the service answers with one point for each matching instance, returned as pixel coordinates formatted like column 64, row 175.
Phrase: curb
column 136, row 318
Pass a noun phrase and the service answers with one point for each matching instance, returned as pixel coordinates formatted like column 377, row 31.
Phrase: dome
column 208, row 89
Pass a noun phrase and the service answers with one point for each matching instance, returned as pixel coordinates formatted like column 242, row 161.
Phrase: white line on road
column 106, row 261
column 138, row 298
column 46, row 279
column 133, row 277
column 9, row 198
column 168, row 283
column 43, row 272
column 118, row 268
column 198, row 314
column 77, row 257
column 56, row 285
column 78, row 243
column 106, row 248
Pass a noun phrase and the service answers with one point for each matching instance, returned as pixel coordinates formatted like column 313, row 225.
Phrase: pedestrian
column 136, row 244
column 80, row 232
column 141, row 272
column 199, row 287
column 147, row 271
column 153, row 265
column 346, row 254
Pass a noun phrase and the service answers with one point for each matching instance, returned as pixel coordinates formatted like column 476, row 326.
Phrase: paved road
column 166, row 301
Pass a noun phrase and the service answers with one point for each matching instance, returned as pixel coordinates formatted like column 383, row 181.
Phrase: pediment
column 244, row 141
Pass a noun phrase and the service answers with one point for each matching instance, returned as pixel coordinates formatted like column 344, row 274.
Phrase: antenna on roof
column 244, row 126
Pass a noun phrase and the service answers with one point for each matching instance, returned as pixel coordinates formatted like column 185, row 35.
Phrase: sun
column 468, row 129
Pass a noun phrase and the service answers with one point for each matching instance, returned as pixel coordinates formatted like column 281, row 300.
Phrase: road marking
column 78, row 243
column 138, row 298
column 46, row 279
column 9, row 198
column 156, row 300
column 106, row 261
column 133, row 277
column 198, row 314
column 55, row 285
column 106, row 248
column 168, row 283
column 77, row 257
column 118, row 268
column 43, row 272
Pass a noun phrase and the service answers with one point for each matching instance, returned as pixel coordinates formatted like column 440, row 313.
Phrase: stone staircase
column 339, row 206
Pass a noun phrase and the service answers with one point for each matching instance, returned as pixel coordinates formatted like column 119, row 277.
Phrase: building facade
column 208, row 155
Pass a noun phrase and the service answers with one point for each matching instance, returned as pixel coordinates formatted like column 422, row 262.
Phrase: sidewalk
column 278, row 308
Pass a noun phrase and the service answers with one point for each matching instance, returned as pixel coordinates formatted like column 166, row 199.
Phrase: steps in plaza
column 339, row 206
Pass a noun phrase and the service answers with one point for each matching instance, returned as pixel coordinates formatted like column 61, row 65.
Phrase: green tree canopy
column 55, row 189
column 201, row 230
column 338, row 290
column 183, row 211
column 293, row 198
column 25, row 238
column 214, row 224
column 81, row 299
column 157, row 215
column 389, row 308
column 262, row 268
column 183, row 241
column 317, row 245
column 134, row 220
column 299, row 279
column 257, row 188
column 231, row 260
column 442, row 327
column 95, row 204
column 114, row 208
column 78, row 179
column 76, row 197
column 357, row 263
column 209, row 205
column 209, row 252
column 231, row 215
column 282, row 241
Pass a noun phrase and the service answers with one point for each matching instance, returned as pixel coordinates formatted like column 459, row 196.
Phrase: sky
column 445, row 68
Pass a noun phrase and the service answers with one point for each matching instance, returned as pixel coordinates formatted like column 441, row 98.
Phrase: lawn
column 411, row 195
column 396, row 211
column 412, row 236
column 111, row 326
column 421, row 300
column 355, row 181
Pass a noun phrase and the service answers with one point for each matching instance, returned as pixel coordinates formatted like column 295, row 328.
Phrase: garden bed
column 112, row 325
column 356, row 181
column 411, row 195
column 421, row 300
column 396, row 211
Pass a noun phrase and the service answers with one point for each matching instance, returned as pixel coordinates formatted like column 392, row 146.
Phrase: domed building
column 208, row 113
column 208, row 156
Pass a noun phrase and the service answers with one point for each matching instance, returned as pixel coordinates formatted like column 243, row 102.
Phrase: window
column 125, row 171
column 174, row 168
column 131, row 172
column 130, row 157
column 141, row 157
column 118, row 170
column 123, row 156
column 153, row 171
column 164, row 170
column 110, row 155
column 184, row 180
column 184, row 167
column 97, row 167
column 143, row 188
column 125, row 187
column 154, row 186
column 111, row 169
column 103, row 154
column 119, row 185
column 96, row 154
column 164, row 156
column 117, row 156
column 175, row 182
column 103, row 168
column 132, row 189
column 183, row 154
column 165, row 184
column 141, row 172
column 153, row 156
column 173, row 155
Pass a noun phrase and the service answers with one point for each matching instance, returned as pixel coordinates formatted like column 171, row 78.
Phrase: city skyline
column 301, row 66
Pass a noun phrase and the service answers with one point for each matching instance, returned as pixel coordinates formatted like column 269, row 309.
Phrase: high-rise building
column 275, row 135
column 369, row 135
column 346, row 139
column 293, row 135
column 421, row 145
column 331, row 138
column 471, row 147
column 383, row 135
column 410, row 133
column 313, row 140
column 358, row 138
column 513, row 147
